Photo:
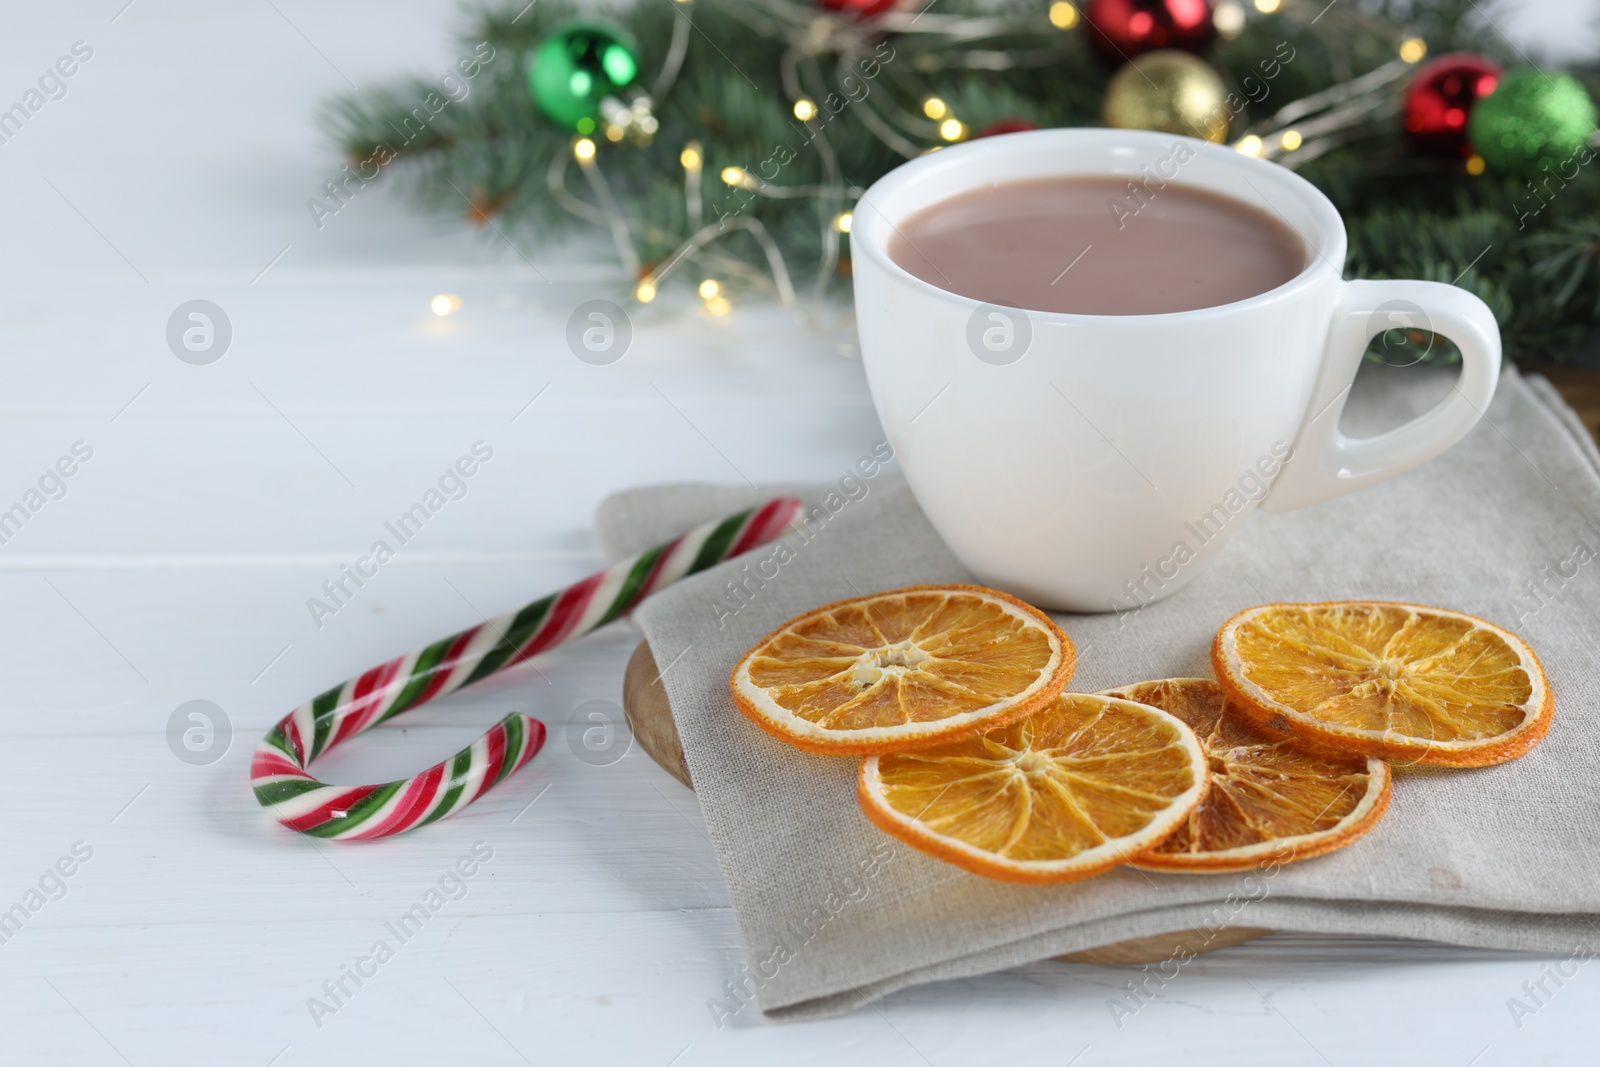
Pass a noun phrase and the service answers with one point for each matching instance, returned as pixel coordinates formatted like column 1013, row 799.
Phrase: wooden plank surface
column 178, row 564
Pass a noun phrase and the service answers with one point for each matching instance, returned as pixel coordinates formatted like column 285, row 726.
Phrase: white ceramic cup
column 1094, row 462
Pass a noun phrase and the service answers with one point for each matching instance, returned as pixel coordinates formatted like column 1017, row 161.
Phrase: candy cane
column 300, row 802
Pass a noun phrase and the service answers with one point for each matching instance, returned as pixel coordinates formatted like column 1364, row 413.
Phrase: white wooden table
column 219, row 498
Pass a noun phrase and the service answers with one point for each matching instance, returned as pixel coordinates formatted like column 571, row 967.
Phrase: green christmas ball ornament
column 1530, row 119
column 578, row 66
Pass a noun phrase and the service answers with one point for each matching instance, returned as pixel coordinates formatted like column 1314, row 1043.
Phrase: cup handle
column 1326, row 463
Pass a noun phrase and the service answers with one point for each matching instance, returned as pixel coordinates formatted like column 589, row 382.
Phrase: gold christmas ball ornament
column 1169, row 91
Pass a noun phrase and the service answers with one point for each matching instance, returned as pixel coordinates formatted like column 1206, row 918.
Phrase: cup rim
column 1327, row 256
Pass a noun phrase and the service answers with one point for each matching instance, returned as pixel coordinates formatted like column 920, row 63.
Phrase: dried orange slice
column 1269, row 801
column 904, row 669
column 1393, row 680
column 1066, row 793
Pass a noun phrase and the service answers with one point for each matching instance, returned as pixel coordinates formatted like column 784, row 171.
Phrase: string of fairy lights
column 823, row 51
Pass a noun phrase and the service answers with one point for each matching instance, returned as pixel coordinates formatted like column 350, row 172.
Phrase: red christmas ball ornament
column 861, row 9
column 1122, row 29
column 1439, row 101
column 995, row 129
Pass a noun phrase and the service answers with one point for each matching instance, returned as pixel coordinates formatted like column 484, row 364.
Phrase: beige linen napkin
column 835, row 914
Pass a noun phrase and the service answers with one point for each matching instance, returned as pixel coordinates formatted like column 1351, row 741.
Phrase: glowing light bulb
column 690, row 157
column 1267, row 7
column 1228, row 18
column 646, row 291
column 842, row 222
column 935, row 108
column 1063, row 16
column 709, row 289
column 1476, row 165
column 952, row 130
column 1413, row 49
column 1291, row 139
column 445, row 304
column 1249, row 146
column 583, row 149
column 805, row 110
column 735, row 176
column 718, row 306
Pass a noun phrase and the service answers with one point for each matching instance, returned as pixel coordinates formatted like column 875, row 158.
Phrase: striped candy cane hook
column 290, row 795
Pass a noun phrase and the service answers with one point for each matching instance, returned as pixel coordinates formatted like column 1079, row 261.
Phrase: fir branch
column 1531, row 250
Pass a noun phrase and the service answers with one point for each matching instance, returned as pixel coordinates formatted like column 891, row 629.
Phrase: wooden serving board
column 644, row 701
